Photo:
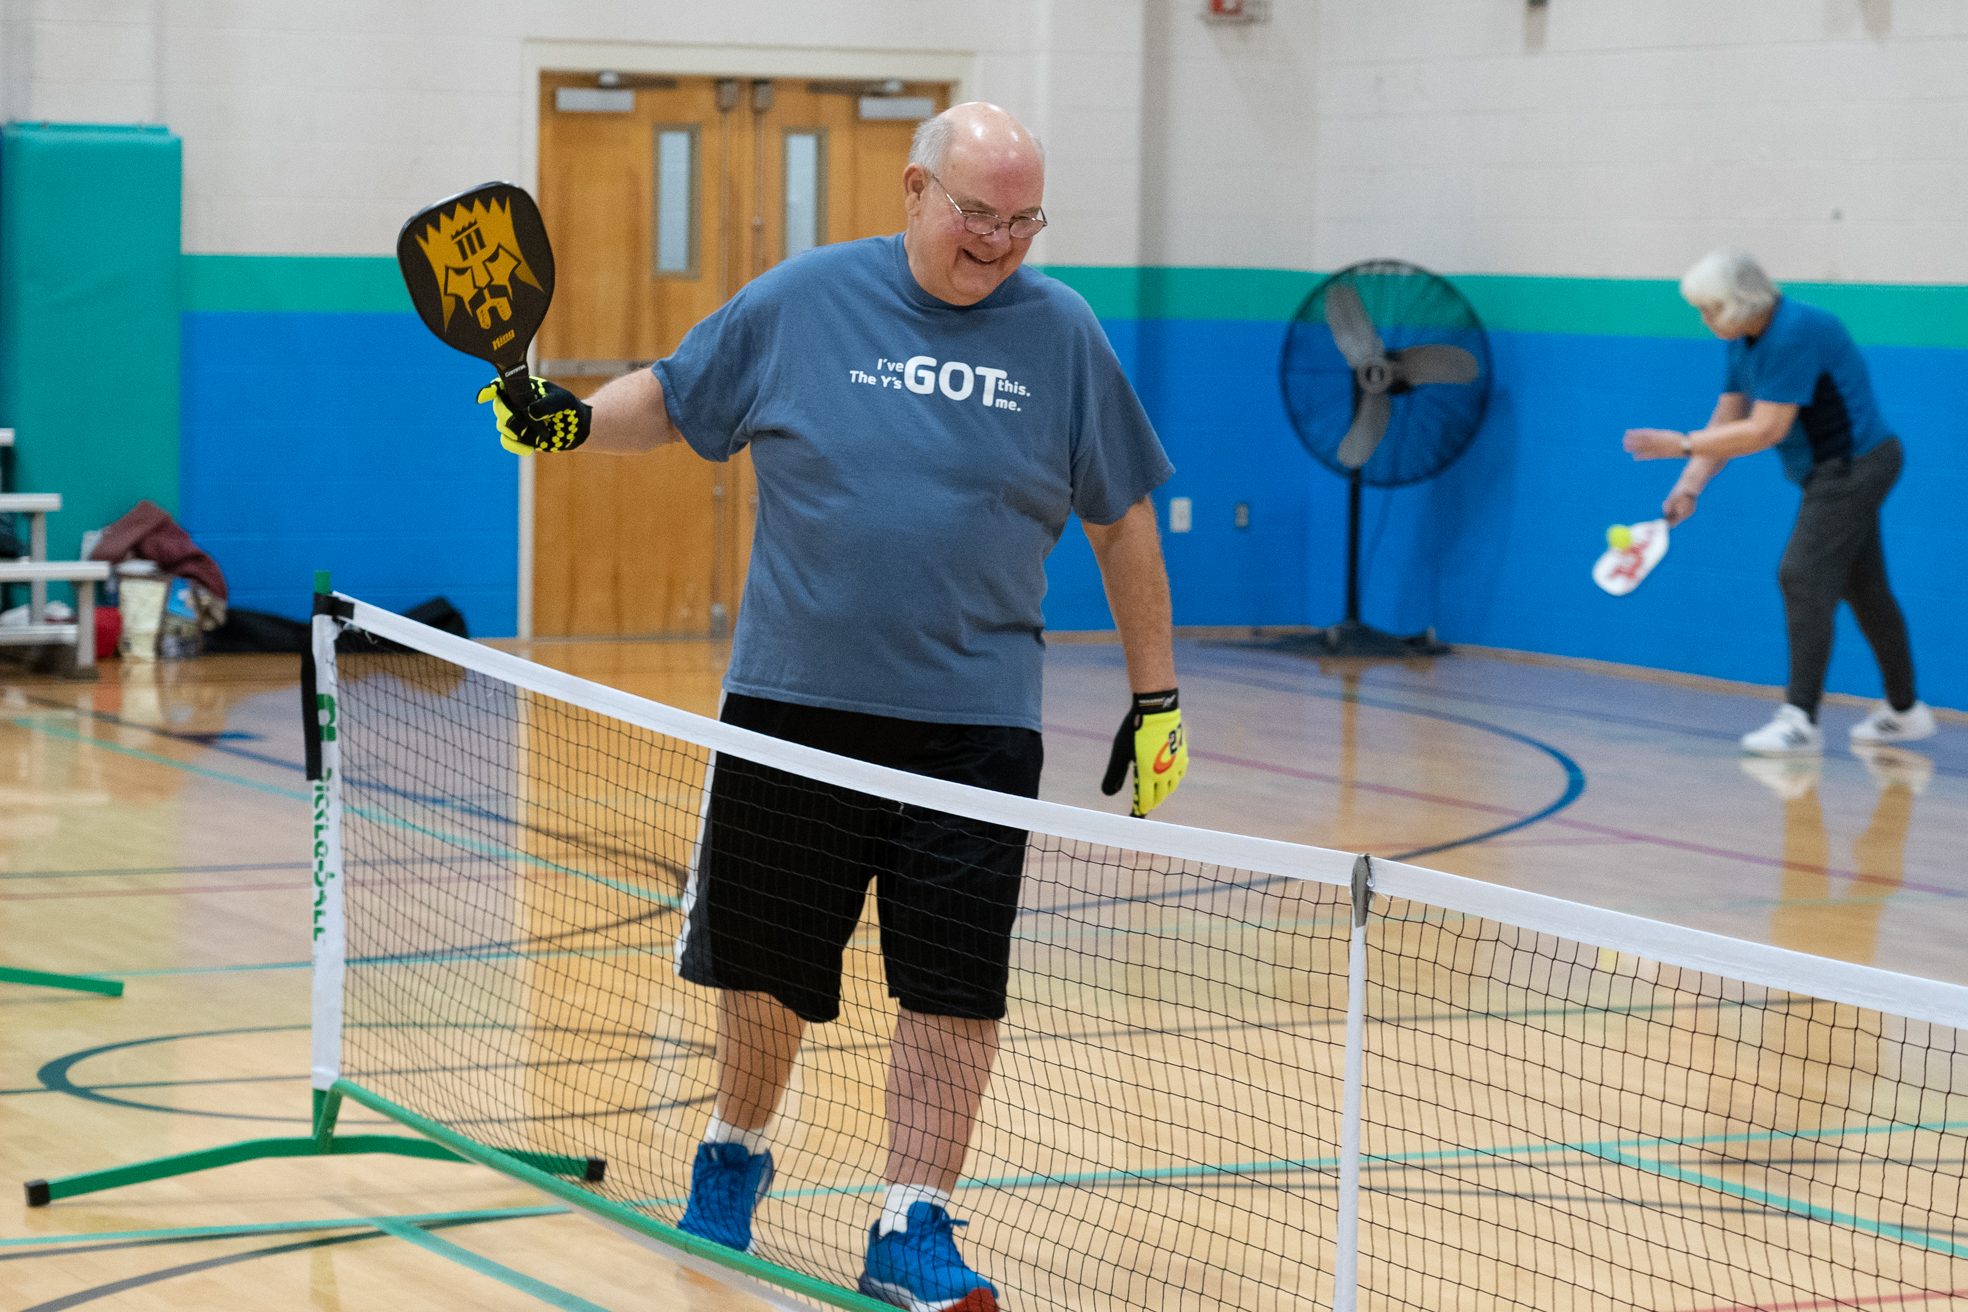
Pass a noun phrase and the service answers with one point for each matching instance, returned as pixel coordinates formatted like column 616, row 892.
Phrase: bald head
column 975, row 126
column 971, row 165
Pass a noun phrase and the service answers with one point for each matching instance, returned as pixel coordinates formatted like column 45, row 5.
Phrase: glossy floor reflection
column 154, row 826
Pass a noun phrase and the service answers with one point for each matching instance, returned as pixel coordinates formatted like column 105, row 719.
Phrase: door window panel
column 676, row 201
column 806, row 189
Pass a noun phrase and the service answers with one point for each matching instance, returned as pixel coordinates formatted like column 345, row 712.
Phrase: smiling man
column 924, row 415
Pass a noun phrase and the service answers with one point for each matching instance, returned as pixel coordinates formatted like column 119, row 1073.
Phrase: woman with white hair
column 1796, row 381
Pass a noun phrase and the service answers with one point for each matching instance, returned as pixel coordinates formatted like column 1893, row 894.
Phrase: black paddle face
column 481, row 274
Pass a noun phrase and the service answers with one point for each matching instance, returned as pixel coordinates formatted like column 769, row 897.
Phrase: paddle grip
column 516, row 385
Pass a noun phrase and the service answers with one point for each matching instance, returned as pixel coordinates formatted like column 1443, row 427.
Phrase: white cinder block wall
column 1583, row 137
column 314, row 129
column 1586, row 137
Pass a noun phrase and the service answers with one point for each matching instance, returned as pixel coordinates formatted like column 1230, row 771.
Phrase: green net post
column 324, row 768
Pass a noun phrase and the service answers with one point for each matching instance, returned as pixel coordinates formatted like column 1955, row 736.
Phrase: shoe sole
column 977, row 1300
column 1867, row 740
column 1779, row 753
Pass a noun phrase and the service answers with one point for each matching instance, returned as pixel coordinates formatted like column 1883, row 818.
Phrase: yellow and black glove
column 557, row 420
column 1151, row 738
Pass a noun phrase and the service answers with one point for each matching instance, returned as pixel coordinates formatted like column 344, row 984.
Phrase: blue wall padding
column 347, row 442
column 89, row 219
column 1497, row 552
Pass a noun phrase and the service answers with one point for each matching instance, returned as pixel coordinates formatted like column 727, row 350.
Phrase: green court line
column 485, row 1266
column 482, row 847
column 282, row 1227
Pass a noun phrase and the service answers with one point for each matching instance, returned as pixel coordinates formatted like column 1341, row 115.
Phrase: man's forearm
column 1696, row 474
column 1721, row 443
column 1130, row 555
column 629, row 415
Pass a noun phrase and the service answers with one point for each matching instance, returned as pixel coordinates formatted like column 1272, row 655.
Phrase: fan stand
column 1350, row 637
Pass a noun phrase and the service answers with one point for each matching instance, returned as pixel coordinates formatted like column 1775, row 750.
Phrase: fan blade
column 1434, row 363
column 1369, row 426
column 1353, row 332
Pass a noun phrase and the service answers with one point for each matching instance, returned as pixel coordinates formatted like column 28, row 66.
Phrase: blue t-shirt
column 916, row 464
column 1806, row 358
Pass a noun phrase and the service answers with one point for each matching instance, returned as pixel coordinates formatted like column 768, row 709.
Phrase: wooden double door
column 663, row 197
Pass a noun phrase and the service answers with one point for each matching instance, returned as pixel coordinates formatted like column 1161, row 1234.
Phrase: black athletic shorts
column 784, row 868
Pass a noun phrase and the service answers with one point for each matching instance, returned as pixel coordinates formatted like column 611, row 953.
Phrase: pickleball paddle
column 481, row 274
column 1626, row 564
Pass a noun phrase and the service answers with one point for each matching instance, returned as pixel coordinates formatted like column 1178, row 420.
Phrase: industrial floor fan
column 1386, row 375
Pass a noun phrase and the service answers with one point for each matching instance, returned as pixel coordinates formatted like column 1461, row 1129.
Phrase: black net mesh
column 1160, row 1127
column 1547, row 1124
column 1552, row 1125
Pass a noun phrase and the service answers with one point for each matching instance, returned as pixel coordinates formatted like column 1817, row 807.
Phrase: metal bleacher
column 37, row 571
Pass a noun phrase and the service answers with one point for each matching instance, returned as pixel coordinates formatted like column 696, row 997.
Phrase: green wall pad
column 89, row 242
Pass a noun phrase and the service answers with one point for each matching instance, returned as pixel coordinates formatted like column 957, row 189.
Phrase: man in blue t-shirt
column 1795, row 381
column 924, row 415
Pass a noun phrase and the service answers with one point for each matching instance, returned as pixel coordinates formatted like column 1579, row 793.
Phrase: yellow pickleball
column 1619, row 537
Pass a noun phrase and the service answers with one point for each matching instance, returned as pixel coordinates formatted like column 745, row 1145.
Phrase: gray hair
column 1731, row 284
column 931, row 146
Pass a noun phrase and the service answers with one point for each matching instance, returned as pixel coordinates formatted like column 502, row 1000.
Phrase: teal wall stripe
column 1879, row 314
column 293, row 283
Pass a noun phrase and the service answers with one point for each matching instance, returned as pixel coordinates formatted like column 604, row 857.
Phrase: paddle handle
column 516, row 385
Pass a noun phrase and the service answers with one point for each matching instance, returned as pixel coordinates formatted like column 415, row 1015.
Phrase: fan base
column 1351, row 638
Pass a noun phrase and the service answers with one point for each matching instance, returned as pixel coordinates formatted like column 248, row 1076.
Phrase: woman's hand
column 1678, row 506
column 1652, row 443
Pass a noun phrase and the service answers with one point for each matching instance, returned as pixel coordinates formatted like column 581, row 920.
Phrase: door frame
column 540, row 55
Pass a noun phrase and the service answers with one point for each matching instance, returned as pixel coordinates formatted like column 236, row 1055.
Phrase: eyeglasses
column 983, row 223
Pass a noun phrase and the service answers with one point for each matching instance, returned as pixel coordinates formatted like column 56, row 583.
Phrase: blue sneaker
column 920, row 1268
column 726, row 1183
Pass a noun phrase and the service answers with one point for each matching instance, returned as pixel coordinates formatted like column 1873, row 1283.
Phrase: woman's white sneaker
column 1886, row 725
column 1789, row 733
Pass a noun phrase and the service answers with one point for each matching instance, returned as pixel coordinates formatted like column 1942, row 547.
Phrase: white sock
column 895, row 1206
column 719, row 1132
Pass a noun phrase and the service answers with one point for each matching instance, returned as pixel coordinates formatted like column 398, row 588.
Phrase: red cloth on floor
column 151, row 533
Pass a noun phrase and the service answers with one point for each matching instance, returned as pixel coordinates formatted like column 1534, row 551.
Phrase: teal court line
column 405, row 961
column 407, row 1228
column 485, row 1266
column 1615, row 1152
column 480, row 846
column 280, row 1227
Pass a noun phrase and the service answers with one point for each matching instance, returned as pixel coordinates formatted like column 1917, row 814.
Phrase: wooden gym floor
column 153, row 828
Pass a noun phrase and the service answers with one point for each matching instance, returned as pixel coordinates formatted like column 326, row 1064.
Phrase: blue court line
column 1574, row 776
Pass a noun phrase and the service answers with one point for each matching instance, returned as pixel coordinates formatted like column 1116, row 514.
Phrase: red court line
column 1878, row 1299
column 1567, row 822
column 156, row 892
